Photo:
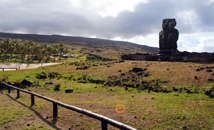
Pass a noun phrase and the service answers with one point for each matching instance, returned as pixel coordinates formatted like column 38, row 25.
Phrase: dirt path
column 24, row 66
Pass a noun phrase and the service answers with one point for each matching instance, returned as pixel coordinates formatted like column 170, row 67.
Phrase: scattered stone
column 209, row 70
column 25, row 83
column 69, row 91
column 185, row 128
column 197, row 70
column 211, row 80
column 82, row 68
column 123, row 74
column 41, row 76
column 50, row 83
column 175, row 89
column 136, row 70
column 210, row 92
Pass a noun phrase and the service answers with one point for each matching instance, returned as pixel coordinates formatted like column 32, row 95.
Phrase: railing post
column 2, row 69
column 55, row 111
column 104, row 125
column 17, row 93
column 8, row 89
column 32, row 100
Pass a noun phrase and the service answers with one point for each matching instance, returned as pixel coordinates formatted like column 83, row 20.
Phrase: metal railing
column 104, row 120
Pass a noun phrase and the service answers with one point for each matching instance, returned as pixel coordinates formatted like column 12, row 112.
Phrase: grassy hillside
column 126, row 47
column 157, row 95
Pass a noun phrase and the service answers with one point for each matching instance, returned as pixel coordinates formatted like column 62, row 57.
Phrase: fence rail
column 104, row 120
column 9, row 68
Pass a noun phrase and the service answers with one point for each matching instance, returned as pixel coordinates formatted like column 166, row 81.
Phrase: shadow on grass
column 52, row 124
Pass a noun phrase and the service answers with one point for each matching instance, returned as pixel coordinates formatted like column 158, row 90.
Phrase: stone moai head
column 168, row 24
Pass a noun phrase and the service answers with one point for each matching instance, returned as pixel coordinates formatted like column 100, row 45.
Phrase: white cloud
column 190, row 20
column 197, row 42
column 114, row 7
column 107, row 7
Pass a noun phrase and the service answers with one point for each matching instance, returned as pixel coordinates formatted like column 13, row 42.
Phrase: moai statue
column 168, row 37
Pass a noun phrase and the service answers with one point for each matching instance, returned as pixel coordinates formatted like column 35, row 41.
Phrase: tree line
column 29, row 51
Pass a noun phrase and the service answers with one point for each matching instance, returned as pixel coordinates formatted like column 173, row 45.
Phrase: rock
column 197, row 69
column 69, row 91
column 136, row 70
column 50, row 83
column 41, row 76
column 25, row 83
column 209, row 70
column 175, row 89
column 211, row 80
column 210, row 92
column 168, row 37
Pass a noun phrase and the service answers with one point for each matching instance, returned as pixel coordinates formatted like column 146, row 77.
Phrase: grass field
column 179, row 103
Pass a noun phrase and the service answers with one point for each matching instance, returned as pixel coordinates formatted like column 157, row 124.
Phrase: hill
column 128, row 47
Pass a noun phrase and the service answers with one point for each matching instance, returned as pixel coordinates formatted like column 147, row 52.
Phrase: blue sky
column 136, row 21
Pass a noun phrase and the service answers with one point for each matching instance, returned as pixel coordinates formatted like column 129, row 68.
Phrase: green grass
column 144, row 110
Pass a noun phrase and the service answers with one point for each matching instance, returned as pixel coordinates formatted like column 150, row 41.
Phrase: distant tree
column 49, row 50
column 29, row 48
column 61, row 48
column 16, row 50
column 55, row 50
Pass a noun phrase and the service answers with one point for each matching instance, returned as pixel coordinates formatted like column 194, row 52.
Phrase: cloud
column 133, row 20
column 197, row 42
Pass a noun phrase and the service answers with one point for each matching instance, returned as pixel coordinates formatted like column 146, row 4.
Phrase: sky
column 138, row 21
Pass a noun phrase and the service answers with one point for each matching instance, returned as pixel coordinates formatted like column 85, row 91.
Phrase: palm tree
column 6, row 48
column 55, row 50
column 11, row 49
column 61, row 49
column 16, row 50
column 29, row 46
column 49, row 50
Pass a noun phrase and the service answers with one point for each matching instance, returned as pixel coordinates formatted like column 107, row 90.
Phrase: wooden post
column 32, row 100
column 17, row 93
column 8, row 89
column 55, row 111
column 2, row 69
column 104, row 125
